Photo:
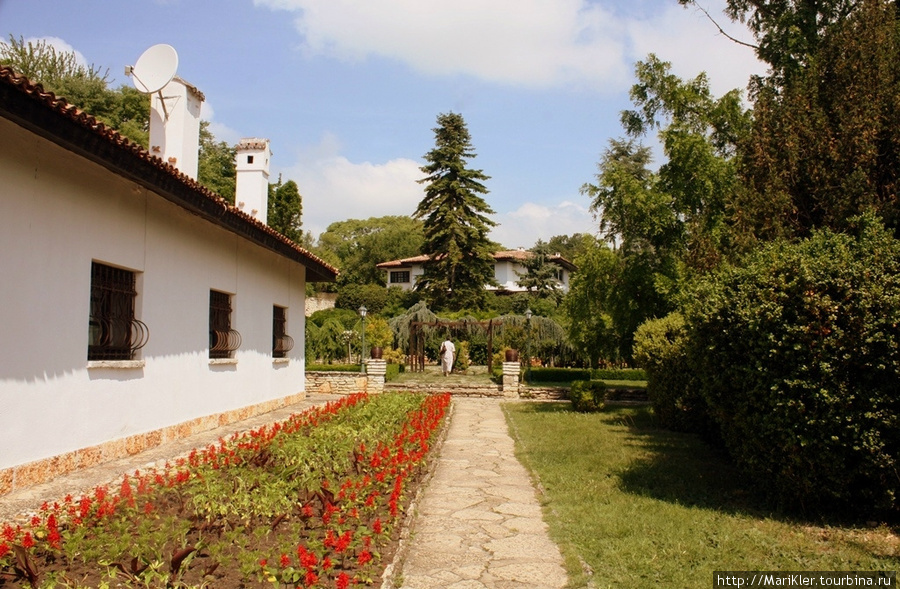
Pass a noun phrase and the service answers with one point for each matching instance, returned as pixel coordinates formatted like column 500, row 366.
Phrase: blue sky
column 348, row 91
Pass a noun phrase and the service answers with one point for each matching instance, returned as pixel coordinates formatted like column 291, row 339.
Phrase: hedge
column 559, row 374
column 618, row 374
column 797, row 353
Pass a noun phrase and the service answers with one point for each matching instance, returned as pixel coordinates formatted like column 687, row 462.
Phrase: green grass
column 643, row 507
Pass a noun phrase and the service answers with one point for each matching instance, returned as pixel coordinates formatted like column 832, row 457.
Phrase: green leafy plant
column 587, row 395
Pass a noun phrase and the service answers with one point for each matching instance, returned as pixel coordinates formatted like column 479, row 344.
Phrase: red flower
column 27, row 541
column 285, row 560
column 364, row 557
column 263, row 562
column 4, row 549
column 343, row 581
column 311, row 578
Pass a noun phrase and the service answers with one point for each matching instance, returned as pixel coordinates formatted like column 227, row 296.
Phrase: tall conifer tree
column 456, row 221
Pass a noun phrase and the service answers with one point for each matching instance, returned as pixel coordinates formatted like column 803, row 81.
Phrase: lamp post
column 362, row 354
column 528, row 346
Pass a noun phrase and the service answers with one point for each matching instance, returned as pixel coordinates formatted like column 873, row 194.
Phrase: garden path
column 478, row 523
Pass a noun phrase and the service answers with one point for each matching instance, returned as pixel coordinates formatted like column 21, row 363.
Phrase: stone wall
column 347, row 383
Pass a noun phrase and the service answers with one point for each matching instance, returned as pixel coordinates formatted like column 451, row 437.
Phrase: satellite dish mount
column 153, row 70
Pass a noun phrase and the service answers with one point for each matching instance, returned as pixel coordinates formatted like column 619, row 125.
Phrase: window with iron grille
column 282, row 343
column 223, row 340
column 400, row 277
column 113, row 331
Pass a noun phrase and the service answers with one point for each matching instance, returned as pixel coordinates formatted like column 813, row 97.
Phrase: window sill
column 222, row 361
column 116, row 364
column 281, row 360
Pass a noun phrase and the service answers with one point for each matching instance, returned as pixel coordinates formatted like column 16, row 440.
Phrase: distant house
column 137, row 306
column 508, row 270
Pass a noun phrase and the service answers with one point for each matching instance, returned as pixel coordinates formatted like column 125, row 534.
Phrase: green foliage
column 353, row 296
column 347, row 318
column 456, row 222
column 618, row 374
column 357, row 246
column 540, row 274
column 587, row 396
column 216, row 166
column 286, row 209
column 87, row 87
column 559, row 374
column 826, row 142
column 660, row 347
column 378, row 333
column 798, row 356
column 333, row 368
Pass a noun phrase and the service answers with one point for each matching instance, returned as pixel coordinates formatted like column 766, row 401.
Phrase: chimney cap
column 252, row 143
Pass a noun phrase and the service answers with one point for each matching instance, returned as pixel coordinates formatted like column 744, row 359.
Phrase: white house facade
column 509, row 267
column 136, row 306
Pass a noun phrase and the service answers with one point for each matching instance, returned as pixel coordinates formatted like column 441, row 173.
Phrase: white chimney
column 252, row 187
column 175, row 125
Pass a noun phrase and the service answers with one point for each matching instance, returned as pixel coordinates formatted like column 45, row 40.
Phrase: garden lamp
column 362, row 354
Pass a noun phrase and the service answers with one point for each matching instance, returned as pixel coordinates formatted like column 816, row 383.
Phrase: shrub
column 333, row 368
column 587, row 395
column 660, row 346
column 559, row 374
column 392, row 372
column 618, row 374
column 798, row 356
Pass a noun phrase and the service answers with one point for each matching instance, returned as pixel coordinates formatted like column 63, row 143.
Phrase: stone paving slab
column 478, row 523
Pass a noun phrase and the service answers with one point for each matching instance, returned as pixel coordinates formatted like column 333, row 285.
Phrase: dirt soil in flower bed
column 308, row 529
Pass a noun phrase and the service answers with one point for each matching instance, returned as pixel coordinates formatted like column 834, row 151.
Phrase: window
column 113, row 331
column 400, row 277
column 249, row 159
column 282, row 343
column 223, row 340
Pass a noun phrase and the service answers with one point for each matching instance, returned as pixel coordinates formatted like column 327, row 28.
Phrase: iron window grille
column 113, row 331
column 223, row 340
column 282, row 343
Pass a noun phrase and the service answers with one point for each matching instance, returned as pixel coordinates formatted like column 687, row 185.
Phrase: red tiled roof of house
column 30, row 106
column 516, row 255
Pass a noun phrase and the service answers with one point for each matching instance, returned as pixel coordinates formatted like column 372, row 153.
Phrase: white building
column 509, row 268
column 136, row 306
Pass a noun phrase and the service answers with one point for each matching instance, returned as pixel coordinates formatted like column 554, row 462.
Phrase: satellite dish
column 154, row 68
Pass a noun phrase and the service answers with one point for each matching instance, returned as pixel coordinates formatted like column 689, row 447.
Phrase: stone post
column 375, row 371
column 510, row 386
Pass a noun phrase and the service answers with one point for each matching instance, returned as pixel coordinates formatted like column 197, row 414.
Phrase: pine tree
column 455, row 221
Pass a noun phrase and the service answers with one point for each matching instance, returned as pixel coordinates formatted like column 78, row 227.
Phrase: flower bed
column 314, row 501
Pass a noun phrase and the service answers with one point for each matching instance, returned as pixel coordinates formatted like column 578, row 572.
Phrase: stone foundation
column 41, row 471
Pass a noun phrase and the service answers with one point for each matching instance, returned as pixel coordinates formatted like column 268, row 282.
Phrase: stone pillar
column 510, row 386
column 375, row 371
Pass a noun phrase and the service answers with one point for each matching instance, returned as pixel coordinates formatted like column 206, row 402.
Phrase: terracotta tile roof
column 30, row 106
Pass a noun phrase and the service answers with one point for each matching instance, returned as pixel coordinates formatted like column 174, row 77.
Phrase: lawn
column 644, row 507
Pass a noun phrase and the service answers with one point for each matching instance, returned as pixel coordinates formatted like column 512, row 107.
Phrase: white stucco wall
column 59, row 212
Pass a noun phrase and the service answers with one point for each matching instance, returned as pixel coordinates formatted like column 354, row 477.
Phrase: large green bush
column 660, row 346
column 798, row 356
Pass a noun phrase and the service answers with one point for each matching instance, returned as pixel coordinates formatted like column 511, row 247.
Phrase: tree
column 568, row 246
column 216, row 167
column 788, row 32
column 825, row 144
column 590, row 327
column 357, row 246
column 87, row 87
column 540, row 276
column 455, row 219
column 285, row 209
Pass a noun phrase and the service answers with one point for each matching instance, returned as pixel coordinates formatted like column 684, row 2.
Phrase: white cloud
column 530, row 222
column 335, row 188
column 523, row 42
column 537, row 43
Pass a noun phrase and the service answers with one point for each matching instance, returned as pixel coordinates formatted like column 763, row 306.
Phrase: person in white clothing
column 448, row 351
